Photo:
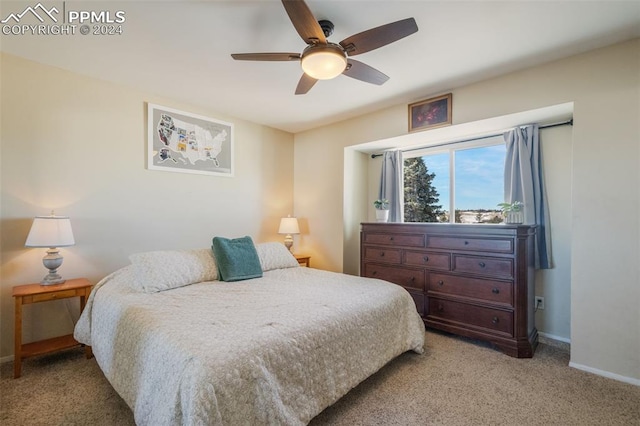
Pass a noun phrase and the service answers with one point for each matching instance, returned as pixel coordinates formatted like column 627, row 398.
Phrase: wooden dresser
column 472, row 280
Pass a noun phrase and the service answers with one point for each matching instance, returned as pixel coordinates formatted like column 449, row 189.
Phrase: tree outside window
column 421, row 200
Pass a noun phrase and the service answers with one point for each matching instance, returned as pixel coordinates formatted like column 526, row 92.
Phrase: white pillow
column 275, row 256
column 166, row 269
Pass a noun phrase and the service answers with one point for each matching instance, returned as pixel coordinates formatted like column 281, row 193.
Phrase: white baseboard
column 8, row 358
column 554, row 337
column 607, row 374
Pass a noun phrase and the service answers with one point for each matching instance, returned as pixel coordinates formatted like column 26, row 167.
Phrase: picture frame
column 430, row 113
column 179, row 141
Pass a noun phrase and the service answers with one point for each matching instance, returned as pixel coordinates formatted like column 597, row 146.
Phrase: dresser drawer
column 498, row 245
column 491, row 291
column 474, row 280
column 418, row 299
column 488, row 266
column 382, row 255
column 428, row 259
column 412, row 279
column 406, row 240
column 470, row 315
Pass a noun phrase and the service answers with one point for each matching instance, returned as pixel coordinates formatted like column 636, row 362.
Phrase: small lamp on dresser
column 51, row 232
column 289, row 226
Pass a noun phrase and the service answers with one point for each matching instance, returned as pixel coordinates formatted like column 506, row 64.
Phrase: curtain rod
column 546, row 126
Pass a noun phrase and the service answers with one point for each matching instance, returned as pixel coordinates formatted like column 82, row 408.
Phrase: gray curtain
column 391, row 183
column 524, row 182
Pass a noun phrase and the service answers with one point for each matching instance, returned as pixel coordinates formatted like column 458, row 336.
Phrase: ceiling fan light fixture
column 323, row 62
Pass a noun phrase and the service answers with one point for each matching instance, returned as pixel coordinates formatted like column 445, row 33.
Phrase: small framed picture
column 430, row 113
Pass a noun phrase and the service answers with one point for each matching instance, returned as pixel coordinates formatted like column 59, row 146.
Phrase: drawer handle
column 413, row 279
column 440, row 283
column 495, row 290
column 390, row 238
column 466, row 243
column 426, row 258
column 495, row 320
column 482, row 264
column 374, row 272
column 382, row 254
column 440, row 308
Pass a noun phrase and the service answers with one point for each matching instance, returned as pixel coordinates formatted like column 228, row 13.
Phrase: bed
column 182, row 347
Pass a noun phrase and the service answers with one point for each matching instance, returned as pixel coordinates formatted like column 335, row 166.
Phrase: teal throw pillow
column 237, row 258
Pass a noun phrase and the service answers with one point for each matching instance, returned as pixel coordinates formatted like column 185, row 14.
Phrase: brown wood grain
column 474, row 280
column 38, row 293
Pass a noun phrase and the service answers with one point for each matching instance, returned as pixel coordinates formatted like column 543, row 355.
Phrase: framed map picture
column 187, row 143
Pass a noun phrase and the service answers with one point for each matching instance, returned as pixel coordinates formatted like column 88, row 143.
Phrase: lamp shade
column 50, row 231
column 289, row 225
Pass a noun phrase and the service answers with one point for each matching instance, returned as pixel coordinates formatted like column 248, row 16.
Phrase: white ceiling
column 181, row 50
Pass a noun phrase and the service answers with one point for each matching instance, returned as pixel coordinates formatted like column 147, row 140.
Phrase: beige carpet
column 456, row 382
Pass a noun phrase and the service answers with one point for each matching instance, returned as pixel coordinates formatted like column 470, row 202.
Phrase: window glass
column 479, row 178
column 431, row 192
column 426, row 188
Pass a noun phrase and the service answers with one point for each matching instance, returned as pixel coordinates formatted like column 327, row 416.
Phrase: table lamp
column 288, row 226
column 52, row 232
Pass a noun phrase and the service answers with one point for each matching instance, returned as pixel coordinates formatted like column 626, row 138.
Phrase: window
column 464, row 178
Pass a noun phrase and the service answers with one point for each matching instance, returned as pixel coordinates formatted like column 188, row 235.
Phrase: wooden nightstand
column 36, row 293
column 303, row 260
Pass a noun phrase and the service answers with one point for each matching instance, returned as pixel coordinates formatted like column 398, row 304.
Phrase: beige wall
column 77, row 144
column 555, row 284
column 601, row 216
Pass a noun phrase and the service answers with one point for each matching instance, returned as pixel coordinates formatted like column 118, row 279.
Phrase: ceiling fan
column 323, row 60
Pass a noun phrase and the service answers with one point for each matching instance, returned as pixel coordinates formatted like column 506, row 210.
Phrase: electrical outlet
column 539, row 302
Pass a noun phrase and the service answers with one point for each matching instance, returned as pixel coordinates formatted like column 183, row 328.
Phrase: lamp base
column 288, row 241
column 52, row 261
column 52, row 279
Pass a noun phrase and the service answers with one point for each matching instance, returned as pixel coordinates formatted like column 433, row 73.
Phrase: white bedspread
column 273, row 350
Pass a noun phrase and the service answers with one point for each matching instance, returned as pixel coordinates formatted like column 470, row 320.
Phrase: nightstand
column 36, row 293
column 303, row 260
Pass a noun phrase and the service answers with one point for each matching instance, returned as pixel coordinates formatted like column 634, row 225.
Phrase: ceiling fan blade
column 305, row 84
column 266, row 56
column 379, row 36
column 359, row 71
column 304, row 21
